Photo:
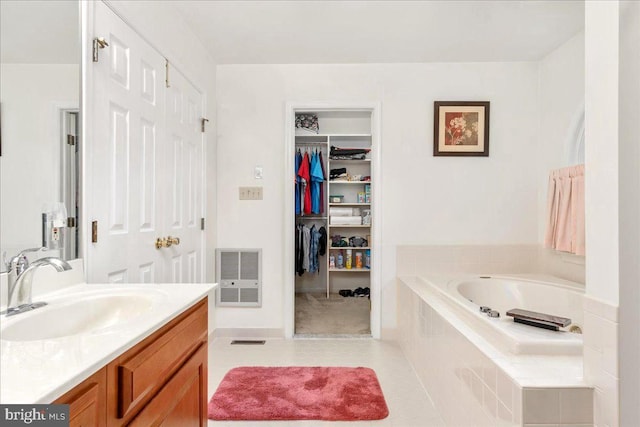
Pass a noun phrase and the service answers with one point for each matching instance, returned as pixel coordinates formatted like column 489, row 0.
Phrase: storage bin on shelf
column 345, row 220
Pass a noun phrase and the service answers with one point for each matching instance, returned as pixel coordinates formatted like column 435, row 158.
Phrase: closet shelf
column 360, row 248
column 349, row 204
column 336, row 135
column 309, row 217
column 349, row 161
column 350, row 270
column 349, row 182
column 349, row 226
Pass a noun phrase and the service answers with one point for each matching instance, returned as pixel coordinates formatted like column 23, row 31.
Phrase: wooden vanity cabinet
column 143, row 375
column 88, row 401
column 160, row 381
column 183, row 400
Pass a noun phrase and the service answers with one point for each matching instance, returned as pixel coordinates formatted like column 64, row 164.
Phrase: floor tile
column 409, row 405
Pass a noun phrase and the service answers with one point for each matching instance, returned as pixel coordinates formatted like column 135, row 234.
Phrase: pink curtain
column 565, row 210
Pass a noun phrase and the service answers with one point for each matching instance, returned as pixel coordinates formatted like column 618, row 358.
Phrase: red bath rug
column 298, row 393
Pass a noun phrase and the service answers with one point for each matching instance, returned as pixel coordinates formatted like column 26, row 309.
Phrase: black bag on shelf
column 338, row 241
column 357, row 242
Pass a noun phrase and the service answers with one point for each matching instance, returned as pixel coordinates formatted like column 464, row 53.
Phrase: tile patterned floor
column 409, row 405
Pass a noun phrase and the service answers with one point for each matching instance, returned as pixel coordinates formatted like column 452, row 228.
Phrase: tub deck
column 524, row 365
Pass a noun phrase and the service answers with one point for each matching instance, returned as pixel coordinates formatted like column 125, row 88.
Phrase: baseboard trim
column 248, row 333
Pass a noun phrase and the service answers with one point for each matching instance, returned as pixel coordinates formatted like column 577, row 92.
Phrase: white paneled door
column 184, row 173
column 145, row 164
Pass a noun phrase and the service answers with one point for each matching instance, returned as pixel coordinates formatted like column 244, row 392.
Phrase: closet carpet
column 315, row 314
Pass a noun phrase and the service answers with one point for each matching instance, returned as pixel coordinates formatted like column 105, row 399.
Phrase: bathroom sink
column 79, row 314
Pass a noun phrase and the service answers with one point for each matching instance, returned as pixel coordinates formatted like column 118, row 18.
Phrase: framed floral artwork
column 461, row 128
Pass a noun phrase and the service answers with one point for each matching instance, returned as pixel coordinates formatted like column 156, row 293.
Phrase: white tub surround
column 36, row 370
column 475, row 377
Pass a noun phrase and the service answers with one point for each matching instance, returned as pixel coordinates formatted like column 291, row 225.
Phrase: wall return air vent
column 239, row 273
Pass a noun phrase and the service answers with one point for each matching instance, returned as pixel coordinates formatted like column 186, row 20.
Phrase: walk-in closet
column 333, row 222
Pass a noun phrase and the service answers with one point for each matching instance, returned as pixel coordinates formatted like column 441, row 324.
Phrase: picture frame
column 461, row 128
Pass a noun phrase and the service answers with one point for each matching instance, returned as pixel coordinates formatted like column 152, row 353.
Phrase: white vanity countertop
column 39, row 371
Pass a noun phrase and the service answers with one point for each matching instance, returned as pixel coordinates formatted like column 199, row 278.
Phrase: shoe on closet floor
column 346, row 292
column 359, row 292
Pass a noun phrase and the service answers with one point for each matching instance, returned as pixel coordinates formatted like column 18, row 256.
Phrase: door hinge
column 201, row 223
column 71, row 221
column 71, row 139
column 98, row 43
column 166, row 72
column 94, row 232
column 203, row 124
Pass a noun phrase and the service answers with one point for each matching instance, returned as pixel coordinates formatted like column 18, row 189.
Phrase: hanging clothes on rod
column 310, row 240
column 317, row 178
column 310, row 175
column 313, row 250
column 324, row 178
column 305, row 190
column 298, row 181
column 310, row 244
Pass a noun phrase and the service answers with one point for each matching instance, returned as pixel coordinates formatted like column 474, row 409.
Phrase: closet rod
column 311, row 217
column 311, row 143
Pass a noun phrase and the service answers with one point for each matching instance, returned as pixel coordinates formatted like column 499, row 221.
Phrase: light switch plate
column 250, row 193
column 257, row 172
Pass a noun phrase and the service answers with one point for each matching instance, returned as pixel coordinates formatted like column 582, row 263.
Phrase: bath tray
column 539, row 320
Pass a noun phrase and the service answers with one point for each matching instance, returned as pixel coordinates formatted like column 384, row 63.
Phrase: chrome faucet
column 20, row 276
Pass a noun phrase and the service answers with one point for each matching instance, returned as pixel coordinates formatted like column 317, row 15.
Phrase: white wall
column 601, row 148
column 31, row 146
column 427, row 200
column 601, row 366
column 629, row 175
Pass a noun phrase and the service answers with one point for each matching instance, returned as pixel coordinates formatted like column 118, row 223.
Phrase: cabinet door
column 137, row 375
column 182, row 402
column 87, row 401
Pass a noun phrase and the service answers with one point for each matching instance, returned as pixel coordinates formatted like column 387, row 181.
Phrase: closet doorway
column 334, row 260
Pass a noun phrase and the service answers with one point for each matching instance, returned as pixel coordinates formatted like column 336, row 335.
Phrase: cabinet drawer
column 182, row 402
column 87, row 406
column 144, row 369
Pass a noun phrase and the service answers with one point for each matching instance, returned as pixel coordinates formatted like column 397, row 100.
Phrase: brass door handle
column 166, row 242
column 173, row 241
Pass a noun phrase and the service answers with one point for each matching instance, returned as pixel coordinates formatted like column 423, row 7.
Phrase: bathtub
column 497, row 370
column 503, row 293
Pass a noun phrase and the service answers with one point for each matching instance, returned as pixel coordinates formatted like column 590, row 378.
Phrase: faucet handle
column 20, row 259
column 39, row 248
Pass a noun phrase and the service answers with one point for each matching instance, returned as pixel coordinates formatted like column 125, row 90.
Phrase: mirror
column 39, row 117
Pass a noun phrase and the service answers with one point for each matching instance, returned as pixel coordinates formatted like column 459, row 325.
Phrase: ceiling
column 303, row 32
column 39, row 32
column 298, row 32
